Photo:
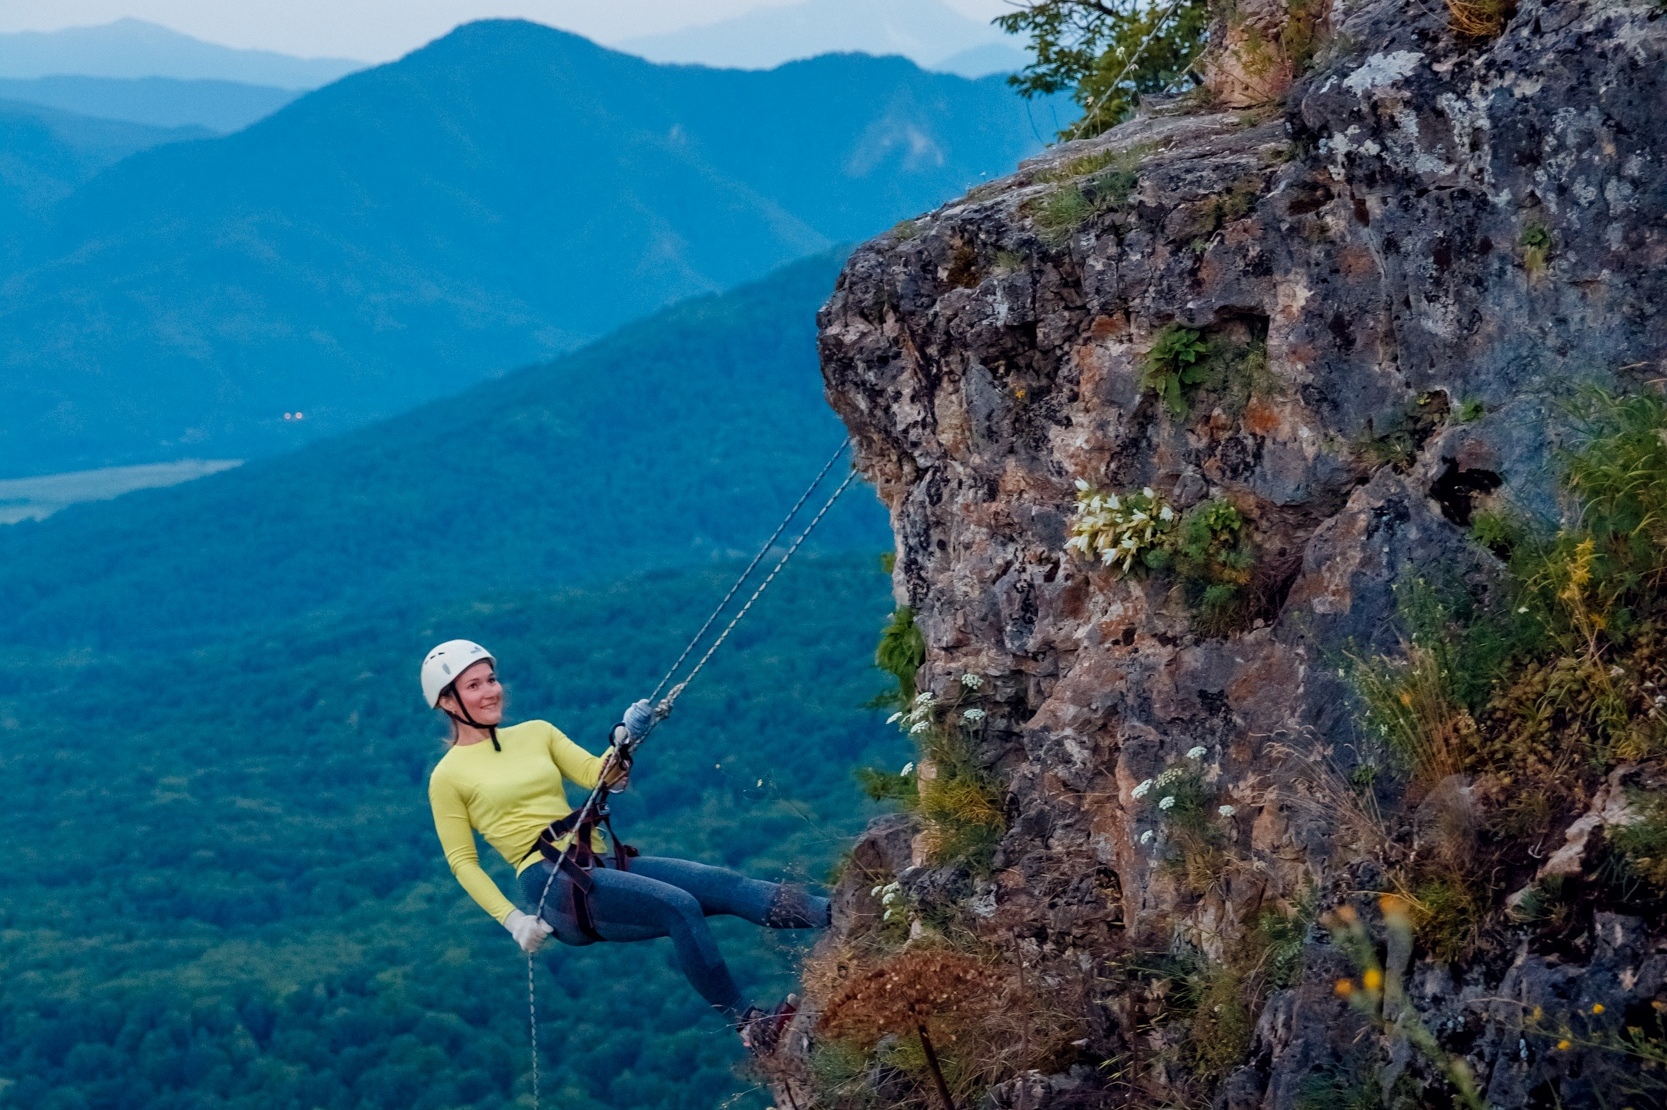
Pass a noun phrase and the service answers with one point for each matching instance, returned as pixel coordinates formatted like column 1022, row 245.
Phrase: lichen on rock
column 1386, row 357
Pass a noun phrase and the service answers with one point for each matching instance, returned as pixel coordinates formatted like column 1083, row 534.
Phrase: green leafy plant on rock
column 1172, row 364
column 1209, row 549
column 1122, row 530
column 1215, row 559
column 1536, row 249
column 1091, row 184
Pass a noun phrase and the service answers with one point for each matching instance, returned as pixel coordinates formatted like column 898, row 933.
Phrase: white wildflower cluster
column 1227, row 811
column 1118, row 529
column 891, row 897
column 973, row 716
column 908, row 768
column 1167, row 802
column 918, row 718
column 1198, row 753
column 972, row 681
column 1148, row 836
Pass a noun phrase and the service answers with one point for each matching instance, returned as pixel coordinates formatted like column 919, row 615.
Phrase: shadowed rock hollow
column 1401, row 273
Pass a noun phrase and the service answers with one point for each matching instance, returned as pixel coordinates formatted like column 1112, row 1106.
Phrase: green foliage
column 1394, row 438
column 959, row 801
column 1172, row 364
column 1643, row 844
column 890, row 786
column 1122, row 530
column 1062, row 212
column 1208, row 549
column 273, row 924
column 1536, row 249
column 1340, row 1089
column 1215, row 558
column 901, row 652
column 1092, row 184
column 1497, row 531
column 1470, row 411
column 1107, row 54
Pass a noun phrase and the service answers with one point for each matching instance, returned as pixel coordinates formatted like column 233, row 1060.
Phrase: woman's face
column 483, row 699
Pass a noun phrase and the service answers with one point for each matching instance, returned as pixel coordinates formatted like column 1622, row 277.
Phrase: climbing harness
column 578, row 857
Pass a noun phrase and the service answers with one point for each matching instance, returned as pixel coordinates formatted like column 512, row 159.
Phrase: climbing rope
column 752, row 566
column 593, row 803
column 532, row 1025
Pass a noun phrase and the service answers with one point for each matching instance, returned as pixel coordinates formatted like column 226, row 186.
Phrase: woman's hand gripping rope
column 529, row 931
column 635, row 724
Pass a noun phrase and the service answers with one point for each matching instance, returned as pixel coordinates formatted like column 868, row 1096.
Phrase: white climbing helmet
column 450, row 659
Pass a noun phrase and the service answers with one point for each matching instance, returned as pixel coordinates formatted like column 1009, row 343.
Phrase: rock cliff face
column 1412, row 260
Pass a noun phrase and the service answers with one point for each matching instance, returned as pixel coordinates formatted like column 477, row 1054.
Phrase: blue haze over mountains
column 222, row 888
column 502, row 195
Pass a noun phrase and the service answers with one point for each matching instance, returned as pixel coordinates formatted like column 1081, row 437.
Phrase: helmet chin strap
column 465, row 719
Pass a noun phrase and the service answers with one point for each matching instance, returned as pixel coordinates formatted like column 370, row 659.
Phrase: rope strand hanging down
column 593, row 802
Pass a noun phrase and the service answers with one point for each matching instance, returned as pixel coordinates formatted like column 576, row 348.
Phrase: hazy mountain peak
column 135, row 48
column 925, row 31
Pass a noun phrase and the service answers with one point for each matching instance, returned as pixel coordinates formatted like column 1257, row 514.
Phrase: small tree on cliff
column 1108, row 52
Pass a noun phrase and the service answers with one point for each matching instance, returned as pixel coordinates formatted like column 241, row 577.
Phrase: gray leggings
column 661, row 897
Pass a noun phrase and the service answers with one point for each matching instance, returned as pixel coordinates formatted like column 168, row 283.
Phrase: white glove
column 529, row 931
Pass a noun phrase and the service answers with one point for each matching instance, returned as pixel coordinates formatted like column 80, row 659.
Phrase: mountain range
column 679, row 439
column 135, row 48
column 218, row 106
column 497, row 197
column 928, row 32
column 46, row 154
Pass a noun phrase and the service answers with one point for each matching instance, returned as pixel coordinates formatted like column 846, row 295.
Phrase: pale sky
column 378, row 30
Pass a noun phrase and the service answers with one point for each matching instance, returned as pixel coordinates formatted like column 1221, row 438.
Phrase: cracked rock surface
column 1426, row 227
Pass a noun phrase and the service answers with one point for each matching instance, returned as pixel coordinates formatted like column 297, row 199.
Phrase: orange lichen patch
column 1107, row 327
column 1261, row 418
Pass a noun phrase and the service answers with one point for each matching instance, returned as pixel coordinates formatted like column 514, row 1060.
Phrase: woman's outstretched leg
column 722, row 891
column 627, row 906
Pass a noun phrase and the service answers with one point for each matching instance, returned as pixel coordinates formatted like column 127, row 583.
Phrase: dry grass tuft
column 982, row 1022
column 1479, row 19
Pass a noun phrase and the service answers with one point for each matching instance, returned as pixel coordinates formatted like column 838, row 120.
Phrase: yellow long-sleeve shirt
column 509, row 795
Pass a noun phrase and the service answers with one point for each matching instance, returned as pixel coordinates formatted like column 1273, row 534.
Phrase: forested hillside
column 46, row 153
column 680, row 438
column 223, row 890
column 499, row 196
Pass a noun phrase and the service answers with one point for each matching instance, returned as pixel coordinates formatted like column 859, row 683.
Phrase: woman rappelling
column 506, row 782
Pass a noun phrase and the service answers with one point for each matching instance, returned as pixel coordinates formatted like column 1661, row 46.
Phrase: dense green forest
column 222, row 887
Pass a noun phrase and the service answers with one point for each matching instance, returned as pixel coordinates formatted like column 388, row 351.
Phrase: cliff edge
column 1186, row 431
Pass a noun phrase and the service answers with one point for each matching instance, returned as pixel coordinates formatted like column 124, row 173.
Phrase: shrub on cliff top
column 1107, row 53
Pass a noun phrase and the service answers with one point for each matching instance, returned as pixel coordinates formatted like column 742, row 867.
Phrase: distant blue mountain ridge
column 46, row 154
column 219, row 106
column 135, row 48
column 496, row 198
